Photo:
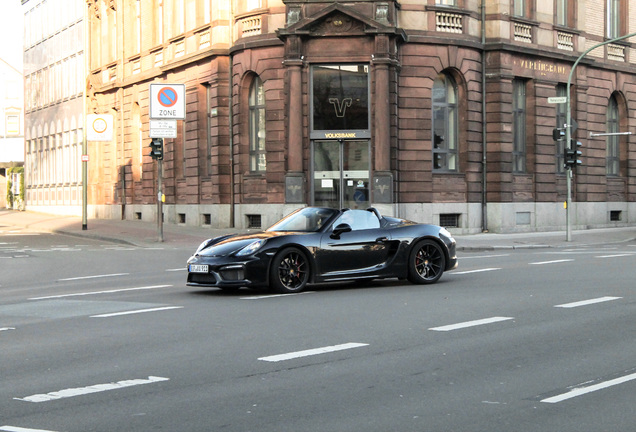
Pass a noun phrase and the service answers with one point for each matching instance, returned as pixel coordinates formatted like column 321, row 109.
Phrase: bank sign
column 167, row 101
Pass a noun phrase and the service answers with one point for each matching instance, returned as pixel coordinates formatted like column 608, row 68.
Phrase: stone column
column 295, row 177
column 382, row 118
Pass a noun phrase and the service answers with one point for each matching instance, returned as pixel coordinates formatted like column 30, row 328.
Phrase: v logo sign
column 340, row 106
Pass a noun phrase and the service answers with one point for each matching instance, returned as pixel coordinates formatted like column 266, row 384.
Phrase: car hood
column 227, row 245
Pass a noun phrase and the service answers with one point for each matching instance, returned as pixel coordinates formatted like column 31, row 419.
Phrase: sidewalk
column 145, row 234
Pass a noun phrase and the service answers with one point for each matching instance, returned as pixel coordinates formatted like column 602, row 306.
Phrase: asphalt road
column 100, row 337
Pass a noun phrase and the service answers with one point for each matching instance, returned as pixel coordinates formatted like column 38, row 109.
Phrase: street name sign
column 557, row 99
column 167, row 101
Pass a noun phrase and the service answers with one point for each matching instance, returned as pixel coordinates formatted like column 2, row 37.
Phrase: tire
column 426, row 262
column 289, row 272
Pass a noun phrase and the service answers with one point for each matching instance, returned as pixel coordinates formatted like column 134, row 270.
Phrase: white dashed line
column 19, row 429
column 551, row 262
column 94, row 277
column 311, row 352
column 475, row 271
column 101, row 292
column 471, row 324
column 589, row 389
column 587, row 302
column 264, row 297
column 72, row 392
column 109, row 315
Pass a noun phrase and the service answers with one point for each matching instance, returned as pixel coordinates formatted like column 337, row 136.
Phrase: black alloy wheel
column 290, row 271
column 426, row 262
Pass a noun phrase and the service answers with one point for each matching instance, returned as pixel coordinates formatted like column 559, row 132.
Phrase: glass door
column 341, row 174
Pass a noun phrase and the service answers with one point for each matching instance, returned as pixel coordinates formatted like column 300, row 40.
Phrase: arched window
column 519, row 126
column 258, row 161
column 613, row 149
column 444, row 123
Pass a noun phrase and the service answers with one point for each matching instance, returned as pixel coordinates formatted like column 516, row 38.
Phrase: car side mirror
column 342, row 228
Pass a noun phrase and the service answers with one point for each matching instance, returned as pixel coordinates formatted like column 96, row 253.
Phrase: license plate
column 198, row 268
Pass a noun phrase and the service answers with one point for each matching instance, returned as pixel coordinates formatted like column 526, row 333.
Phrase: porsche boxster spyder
column 317, row 244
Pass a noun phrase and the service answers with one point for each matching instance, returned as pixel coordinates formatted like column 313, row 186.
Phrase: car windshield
column 308, row 219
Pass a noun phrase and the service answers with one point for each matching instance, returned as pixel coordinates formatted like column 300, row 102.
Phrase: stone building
column 365, row 103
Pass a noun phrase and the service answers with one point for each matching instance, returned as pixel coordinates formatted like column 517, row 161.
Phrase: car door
column 361, row 251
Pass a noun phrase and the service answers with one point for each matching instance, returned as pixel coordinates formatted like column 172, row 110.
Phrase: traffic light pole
column 159, row 200
column 568, row 130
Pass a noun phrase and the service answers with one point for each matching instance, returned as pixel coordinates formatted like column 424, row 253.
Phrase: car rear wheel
column 290, row 271
column 426, row 262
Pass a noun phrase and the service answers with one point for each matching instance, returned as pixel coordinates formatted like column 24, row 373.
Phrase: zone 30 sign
column 167, row 101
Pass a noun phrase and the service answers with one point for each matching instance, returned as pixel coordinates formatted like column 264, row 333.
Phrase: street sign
column 163, row 128
column 99, row 127
column 167, row 101
column 557, row 99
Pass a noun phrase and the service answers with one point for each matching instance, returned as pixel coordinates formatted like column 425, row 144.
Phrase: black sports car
column 316, row 244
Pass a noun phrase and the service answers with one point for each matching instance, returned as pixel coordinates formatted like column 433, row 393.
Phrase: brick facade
column 206, row 169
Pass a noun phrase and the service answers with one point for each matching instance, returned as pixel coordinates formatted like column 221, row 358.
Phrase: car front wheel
column 289, row 272
column 426, row 262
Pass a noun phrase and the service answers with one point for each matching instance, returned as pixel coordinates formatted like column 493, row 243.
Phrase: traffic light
column 572, row 154
column 156, row 148
column 558, row 134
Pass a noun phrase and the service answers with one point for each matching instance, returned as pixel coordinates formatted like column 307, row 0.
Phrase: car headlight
column 251, row 248
column 203, row 245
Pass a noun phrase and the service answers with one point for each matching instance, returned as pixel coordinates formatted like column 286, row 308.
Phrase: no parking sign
column 167, row 101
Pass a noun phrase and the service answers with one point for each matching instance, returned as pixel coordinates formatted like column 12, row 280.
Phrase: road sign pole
column 568, row 131
column 159, row 200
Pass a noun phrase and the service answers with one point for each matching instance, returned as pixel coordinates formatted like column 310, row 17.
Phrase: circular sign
column 100, row 125
column 167, row 97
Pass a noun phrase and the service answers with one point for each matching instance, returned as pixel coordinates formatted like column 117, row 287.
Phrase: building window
column 565, row 13
column 519, row 126
column 444, row 123
column 519, row 8
column 613, row 151
column 561, row 90
column 616, row 16
column 446, row 2
column 257, row 127
column 340, row 97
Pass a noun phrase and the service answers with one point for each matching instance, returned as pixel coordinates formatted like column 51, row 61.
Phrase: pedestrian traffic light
column 558, row 134
column 156, row 148
column 572, row 154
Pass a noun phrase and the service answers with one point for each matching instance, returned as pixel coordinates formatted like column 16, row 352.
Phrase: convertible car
column 316, row 244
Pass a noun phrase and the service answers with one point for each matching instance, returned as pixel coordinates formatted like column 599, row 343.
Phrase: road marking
column 114, row 314
column 589, row 389
column 476, row 271
column 19, row 429
column 471, row 324
column 6, row 328
column 101, row 292
column 276, row 295
column 483, row 256
column 72, row 392
column 177, row 269
column 310, row 352
column 588, row 302
column 616, row 255
column 551, row 262
column 94, row 277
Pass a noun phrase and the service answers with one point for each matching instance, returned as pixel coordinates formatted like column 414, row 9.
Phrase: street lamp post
column 568, row 131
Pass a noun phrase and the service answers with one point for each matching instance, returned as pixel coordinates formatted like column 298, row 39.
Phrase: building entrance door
column 341, row 173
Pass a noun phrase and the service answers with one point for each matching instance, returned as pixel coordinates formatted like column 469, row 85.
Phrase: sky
column 11, row 30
